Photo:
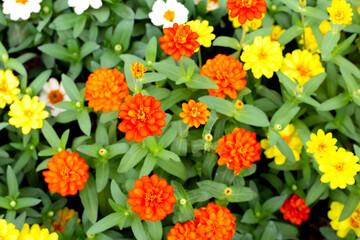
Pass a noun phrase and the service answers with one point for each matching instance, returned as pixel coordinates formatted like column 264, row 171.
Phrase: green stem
column 137, row 86
column 242, row 40
column 185, row 131
column 182, row 66
column 199, row 56
column 303, row 23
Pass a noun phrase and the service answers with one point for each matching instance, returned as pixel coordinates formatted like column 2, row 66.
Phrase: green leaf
column 12, row 182
column 337, row 102
column 175, row 168
column 88, row 48
column 168, row 137
column 137, row 228
column 117, row 194
column 292, row 4
column 168, row 155
column 102, row 14
column 84, row 121
column 224, row 41
column 315, row 191
column 56, row 51
column 70, row 88
column 39, row 81
column 343, row 45
column 122, row 34
column 328, row 44
column 198, row 195
column 135, row 154
column 241, row 194
column 15, row 64
column 273, row 204
column 351, row 83
column 263, row 32
column 148, row 166
column 169, row 69
column 249, row 217
column 26, row 202
column 67, row 116
column 89, row 199
column 151, row 48
column 315, row 13
column 176, row 96
column 107, row 222
column 65, row 21
column 215, row 188
column 102, row 175
column 285, row 150
column 79, row 26
column 313, row 83
column 152, row 77
column 64, row 139
column 154, row 229
column 291, row 33
column 270, row 232
column 109, row 116
column 117, row 149
column 289, row 85
column 253, row 116
column 220, row 105
column 50, row 135
column 284, row 114
column 346, row 64
column 350, row 206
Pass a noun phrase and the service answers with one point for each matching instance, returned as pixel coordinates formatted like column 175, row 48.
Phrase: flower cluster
column 212, row 222
column 295, row 210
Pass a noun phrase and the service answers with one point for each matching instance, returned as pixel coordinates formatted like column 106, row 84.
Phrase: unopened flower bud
column 182, row 201
column 294, row 187
column 208, row 137
column 302, row 3
column 12, row 204
column 118, row 48
column 239, row 105
column 278, row 127
column 103, row 152
column 50, row 214
column 5, row 57
column 228, row 191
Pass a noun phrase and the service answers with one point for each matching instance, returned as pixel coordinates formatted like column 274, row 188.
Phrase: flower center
column 65, row 173
column 339, row 15
column 302, row 70
column 3, row 88
column 246, row 3
column 169, row 15
column 242, row 151
column 180, row 37
column 355, row 219
column 28, row 114
column 287, row 139
column 194, row 112
column 22, row 2
column 339, row 166
column 228, row 191
column 55, row 96
column 322, row 147
column 141, row 114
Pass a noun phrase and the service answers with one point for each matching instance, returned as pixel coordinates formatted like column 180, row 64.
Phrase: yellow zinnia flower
column 250, row 25
column 27, row 113
column 8, row 87
column 36, row 233
column 203, row 30
column 340, row 12
column 342, row 228
column 321, row 144
column 277, row 30
column 8, row 231
column 325, row 27
column 291, row 137
column 264, row 57
column 302, row 65
column 339, row 168
column 310, row 40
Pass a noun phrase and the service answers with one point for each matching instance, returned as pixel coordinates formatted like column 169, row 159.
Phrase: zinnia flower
column 152, row 198
column 64, row 215
column 263, row 57
column 215, row 222
column 105, row 89
column 36, row 233
column 21, row 8
column 8, row 231
column 277, row 30
column 168, row 13
column 302, row 65
column 137, row 70
column 310, row 40
column 291, row 137
column 250, row 25
column 141, row 117
column 321, row 144
column 227, row 73
column 325, row 27
column 81, row 6
column 339, row 168
column 238, row 149
column 8, row 88
column 211, row 4
column 67, row 173
column 340, row 12
column 351, row 223
column 204, row 31
column 186, row 231
column 52, row 93
column 27, row 113
column 194, row 113
column 295, row 210
column 246, row 9
column 179, row 40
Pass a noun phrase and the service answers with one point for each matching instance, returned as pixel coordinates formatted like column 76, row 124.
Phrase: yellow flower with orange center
column 302, row 65
column 8, row 87
column 351, row 223
column 321, row 144
column 310, row 40
column 277, row 30
column 65, row 215
column 340, row 12
column 194, row 113
column 137, row 70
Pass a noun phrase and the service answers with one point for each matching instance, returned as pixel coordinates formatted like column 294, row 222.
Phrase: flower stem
column 242, row 39
column 199, row 56
column 185, row 131
column 182, row 66
column 136, row 85
column 303, row 23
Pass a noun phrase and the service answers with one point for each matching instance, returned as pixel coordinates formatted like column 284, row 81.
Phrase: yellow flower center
column 180, row 37
column 22, row 2
column 355, row 219
column 239, row 105
column 339, row 166
column 28, row 114
column 287, row 139
column 55, row 96
column 3, row 88
column 169, row 15
column 150, row 197
column 65, row 173
column 141, row 114
column 339, row 15
column 302, row 70
column 322, row 147
column 194, row 112
column 246, row 3
column 228, row 191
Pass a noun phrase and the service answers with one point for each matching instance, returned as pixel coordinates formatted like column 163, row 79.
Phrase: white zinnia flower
column 82, row 5
column 53, row 92
column 21, row 8
column 168, row 13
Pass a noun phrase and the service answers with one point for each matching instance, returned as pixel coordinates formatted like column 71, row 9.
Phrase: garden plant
column 179, row 119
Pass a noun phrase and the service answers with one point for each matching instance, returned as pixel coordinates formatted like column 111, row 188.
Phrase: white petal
column 96, row 4
column 54, row 84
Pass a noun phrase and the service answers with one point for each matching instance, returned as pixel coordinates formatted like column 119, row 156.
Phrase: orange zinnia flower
column 238, row 149
column 186, row 231
column 194, row 113
column 215, row 222
column 137, row 70
column 179, row 40
column 105, row 89
column 65, row 215
column 142, row 117
column 295, row 210
column 152, row 198
column 227, row 73
column 246, row 9
column 67, row 173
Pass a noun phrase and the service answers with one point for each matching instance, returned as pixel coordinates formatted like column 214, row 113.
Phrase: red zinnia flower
column 141, row 117
column 152, row 198
column 179, row 40
column 295, row 210
column 246, row 9
column 215, row 222
column 186, row 231
column 238, row 149
column 227, row 73
column 67, row 173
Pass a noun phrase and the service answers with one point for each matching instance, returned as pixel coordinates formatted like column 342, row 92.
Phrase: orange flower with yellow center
column 105, row 89
column 179, row 40
column 246, row 9
column 295, row 210
column 141, row 117
column 186, row 231
column 152, row 198
column 194, row 113
column 227, row 73
column 215, row 222
column 238, row 149
column 65, row 215
column 137, row 70
column 67, row 173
